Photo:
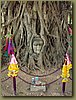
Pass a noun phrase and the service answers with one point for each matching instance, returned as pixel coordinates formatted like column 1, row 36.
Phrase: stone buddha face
column 37, row 45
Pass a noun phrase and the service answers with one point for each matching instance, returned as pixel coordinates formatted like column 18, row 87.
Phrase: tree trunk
column 39, row 31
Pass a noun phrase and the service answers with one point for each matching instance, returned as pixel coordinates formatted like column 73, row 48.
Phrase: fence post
column 63, row 87
column 14, row 85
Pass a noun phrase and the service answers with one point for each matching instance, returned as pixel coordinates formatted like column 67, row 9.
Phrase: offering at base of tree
column 36, row 80
column 65, row 70
column 33, row 81
column 13, row 70
column 13, row 67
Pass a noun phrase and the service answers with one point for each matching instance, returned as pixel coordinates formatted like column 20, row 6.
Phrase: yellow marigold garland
column 65, row 72
column 13, row 70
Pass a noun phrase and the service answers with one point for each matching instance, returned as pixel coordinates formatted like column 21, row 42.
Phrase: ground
column 54, row 89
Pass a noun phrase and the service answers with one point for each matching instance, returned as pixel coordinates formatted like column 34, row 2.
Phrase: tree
column 39, row 30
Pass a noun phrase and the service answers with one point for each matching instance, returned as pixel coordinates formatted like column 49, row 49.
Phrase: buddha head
column 37, row 44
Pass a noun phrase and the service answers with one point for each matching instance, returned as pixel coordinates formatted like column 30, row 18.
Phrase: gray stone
column 37, row 88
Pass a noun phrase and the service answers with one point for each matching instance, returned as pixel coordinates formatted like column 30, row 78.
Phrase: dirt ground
column 23, row 89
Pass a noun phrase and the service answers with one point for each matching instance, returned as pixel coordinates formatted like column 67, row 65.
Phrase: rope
column 3, row 70
column 70, row 78
column 40, row 75
column 5, row 79
column 33, row 74
column 40, row 85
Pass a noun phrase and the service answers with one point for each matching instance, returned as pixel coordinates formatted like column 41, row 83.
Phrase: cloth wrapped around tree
column 65, row 70
column 13, row 67
column 9, row 46
column 70, row 30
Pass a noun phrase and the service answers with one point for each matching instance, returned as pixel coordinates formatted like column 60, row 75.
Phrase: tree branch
column 10, row 21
